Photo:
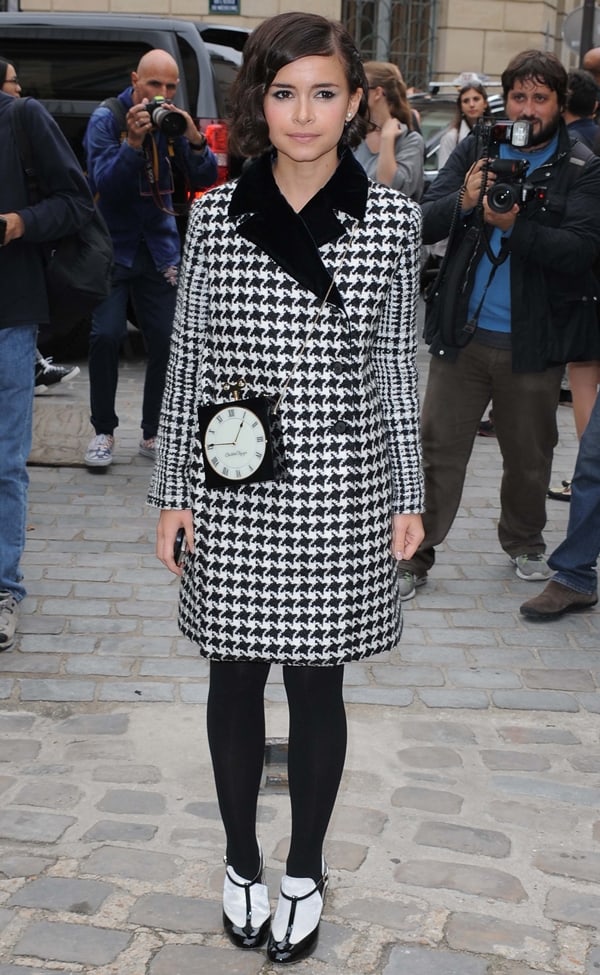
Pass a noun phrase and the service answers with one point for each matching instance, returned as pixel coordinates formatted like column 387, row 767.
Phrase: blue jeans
column 574, row 561
column 17, row 370
column 153, row 300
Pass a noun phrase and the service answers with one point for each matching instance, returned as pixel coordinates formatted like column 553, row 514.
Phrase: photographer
column 523, row 303
column 132, row 144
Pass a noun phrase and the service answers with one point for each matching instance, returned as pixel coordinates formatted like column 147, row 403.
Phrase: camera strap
column 496, row 260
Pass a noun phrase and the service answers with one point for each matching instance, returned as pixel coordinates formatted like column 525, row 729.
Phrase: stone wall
column 253, row 11
column 483, row 35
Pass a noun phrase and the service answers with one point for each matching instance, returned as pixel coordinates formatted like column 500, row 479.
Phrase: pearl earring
column 349, row 116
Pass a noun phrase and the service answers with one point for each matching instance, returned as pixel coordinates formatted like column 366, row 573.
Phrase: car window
column 191, row 73
column 224, row 72
column 72, row 70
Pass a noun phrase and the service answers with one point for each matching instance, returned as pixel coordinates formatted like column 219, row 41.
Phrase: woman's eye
column 280, row 94
column 326, row 93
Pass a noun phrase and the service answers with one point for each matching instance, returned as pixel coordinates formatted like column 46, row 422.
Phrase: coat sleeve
column 200, row 167
column 394, row 361
column 114, row 167
column 170, row 485
column 67, row 202
column 572, row 247
column 410, row 152
column 439, row 202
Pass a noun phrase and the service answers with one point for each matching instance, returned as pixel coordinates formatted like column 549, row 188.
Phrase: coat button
column 338, row 368
column 340, row 426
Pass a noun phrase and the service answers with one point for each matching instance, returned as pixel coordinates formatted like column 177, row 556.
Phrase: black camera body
column 164, row 118
column 499, row 131
column 513, row 188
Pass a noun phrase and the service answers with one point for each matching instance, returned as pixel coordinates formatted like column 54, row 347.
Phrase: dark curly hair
column 542, row 67
column 273, row 44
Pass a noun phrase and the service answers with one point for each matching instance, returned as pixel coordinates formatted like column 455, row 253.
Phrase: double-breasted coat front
column 297, row 570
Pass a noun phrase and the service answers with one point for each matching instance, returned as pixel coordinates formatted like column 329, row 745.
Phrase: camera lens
column 170, row 122
column 502, row 197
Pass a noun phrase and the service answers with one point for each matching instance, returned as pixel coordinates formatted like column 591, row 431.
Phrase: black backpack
column 78, row 267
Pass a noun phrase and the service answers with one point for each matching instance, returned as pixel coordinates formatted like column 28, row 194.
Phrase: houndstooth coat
column 299, row 570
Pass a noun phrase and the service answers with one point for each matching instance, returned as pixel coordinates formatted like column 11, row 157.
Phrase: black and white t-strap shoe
column 246, row 908
column 295, row 928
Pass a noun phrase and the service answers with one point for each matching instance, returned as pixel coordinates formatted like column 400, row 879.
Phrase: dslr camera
column 164, row 118
column 513, row 186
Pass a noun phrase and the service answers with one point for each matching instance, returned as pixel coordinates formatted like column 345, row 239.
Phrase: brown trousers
column 524, row 406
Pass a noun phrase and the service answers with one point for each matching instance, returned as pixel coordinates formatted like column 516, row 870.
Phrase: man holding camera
column 524, row 240
column 133, row 144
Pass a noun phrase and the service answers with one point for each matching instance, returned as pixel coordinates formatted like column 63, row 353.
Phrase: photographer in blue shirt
column 133, row 143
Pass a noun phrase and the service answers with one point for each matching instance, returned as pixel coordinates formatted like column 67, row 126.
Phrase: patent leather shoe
column 295, row 929
column 246, row 909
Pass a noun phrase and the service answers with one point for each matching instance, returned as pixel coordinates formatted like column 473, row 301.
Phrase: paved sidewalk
column 466, row 840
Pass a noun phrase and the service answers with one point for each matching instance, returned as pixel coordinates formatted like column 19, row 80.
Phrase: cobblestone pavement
column 466, row 840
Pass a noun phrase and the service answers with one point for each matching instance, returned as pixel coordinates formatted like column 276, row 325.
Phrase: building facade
column 431, row 40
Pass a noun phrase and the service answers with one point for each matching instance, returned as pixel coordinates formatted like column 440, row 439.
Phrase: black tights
column 317, row 748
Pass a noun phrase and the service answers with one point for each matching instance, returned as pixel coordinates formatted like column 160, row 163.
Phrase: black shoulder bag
column 78, row 267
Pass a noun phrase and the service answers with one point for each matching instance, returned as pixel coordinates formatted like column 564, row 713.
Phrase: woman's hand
column 407, row 535
column 392, row 128
column 169, row 522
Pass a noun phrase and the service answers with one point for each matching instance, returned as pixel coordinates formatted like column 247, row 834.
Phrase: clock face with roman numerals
column 235, row 442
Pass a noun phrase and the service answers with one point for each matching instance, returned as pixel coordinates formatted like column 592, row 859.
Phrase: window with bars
column 400, row 31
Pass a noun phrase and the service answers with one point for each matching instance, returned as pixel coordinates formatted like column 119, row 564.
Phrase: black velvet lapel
column 292, row 239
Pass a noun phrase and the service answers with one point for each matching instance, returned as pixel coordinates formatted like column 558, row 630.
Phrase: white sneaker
column 100, row 451
column 8, row 620
column 531, row 568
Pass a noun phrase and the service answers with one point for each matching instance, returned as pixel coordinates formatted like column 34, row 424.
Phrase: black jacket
column 554, row 245
column 67, row 206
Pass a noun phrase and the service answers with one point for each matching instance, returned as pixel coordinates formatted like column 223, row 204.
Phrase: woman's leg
column 235, row 720
column 584, row 378
column 317, row 749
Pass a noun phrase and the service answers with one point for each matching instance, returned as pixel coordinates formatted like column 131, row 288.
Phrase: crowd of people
column 280, row 401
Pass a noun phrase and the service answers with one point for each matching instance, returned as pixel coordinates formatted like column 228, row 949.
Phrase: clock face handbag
column 237, row 439
column 241, row 439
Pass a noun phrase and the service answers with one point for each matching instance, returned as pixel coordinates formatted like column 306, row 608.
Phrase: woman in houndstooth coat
column 300, row 279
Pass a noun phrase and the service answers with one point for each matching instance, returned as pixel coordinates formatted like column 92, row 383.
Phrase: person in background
column 301, row 279
column 574, row 587
column 47, row 372
column 583, row 377
column 581, row 107
column 392, row 152
column 66, row 206
column 129, row 163
column 471, row 105
column 515, row 321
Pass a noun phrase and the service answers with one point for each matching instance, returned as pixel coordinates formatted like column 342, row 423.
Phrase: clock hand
column 226, row 443
column 239, row 431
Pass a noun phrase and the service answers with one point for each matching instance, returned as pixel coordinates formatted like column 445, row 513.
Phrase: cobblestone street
column 466, row 839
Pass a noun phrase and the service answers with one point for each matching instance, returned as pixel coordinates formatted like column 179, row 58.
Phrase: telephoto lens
column 164, row 118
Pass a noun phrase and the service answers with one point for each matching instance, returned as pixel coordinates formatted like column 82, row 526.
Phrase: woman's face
column 307, row 106
column 11, row 84
column 472, row 105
